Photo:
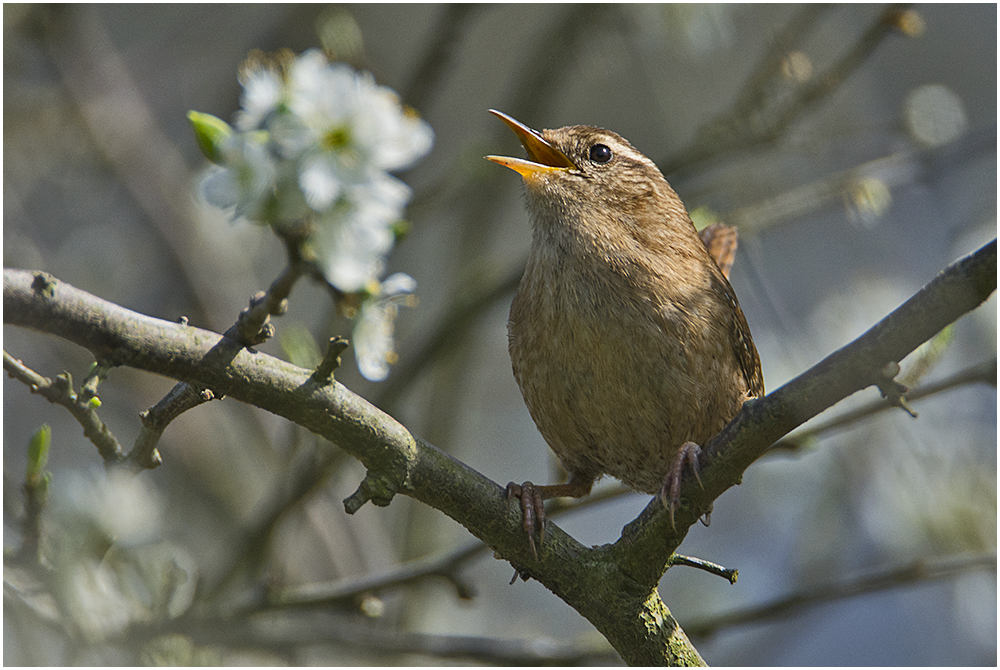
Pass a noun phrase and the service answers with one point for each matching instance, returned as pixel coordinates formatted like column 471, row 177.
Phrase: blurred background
column 855, row 148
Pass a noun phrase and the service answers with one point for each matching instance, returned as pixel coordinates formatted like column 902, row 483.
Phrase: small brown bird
column 627, row 341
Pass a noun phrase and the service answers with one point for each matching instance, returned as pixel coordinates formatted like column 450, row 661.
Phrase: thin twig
column 252, row 327
column 179, row 399
column 60, row 392
column 730, row 574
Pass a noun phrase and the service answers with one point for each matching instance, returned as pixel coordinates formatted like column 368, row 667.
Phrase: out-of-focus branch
column 758, row 118
column 919, row 571
column 443, row 43
column 349, row 590
column 300, row 628
column 908, row 166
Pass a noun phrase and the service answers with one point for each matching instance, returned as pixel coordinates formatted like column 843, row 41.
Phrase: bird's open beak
column 544, row 157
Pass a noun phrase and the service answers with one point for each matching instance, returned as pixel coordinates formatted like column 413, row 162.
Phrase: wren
column 627, row 340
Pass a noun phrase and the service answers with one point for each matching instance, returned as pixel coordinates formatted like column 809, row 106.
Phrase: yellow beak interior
column 543, row 156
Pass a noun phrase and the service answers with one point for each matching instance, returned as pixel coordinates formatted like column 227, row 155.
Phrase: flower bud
column 211, row 133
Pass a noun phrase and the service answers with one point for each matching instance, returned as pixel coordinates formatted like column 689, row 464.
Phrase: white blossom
column 248, row 180
column 263, row 90
column 373, row 342
column 351, row 245
column 314, row 146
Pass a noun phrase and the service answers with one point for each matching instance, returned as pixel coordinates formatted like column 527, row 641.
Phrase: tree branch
column 60, row 392
column 980, row 373
column 613, row 586
column 925, row 569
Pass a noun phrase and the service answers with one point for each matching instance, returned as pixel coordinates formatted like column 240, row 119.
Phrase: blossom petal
column 320, row 183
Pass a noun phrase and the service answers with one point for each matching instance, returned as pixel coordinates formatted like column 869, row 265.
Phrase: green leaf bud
column 38, row 452
column 211, row 133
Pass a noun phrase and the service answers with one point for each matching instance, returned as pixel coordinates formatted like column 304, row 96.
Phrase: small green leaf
column 299, row 345
column 211, row 133
column 400, row 229
column 703, row 216
column 95, row 402
column 38, row 452
column 926, row 356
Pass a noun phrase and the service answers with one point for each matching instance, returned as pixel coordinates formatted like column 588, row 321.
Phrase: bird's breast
column 616, row 376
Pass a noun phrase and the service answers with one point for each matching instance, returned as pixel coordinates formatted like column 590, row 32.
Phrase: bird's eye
column 600, row 153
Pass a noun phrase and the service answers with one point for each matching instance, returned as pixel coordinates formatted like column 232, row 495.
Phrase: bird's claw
column 532, row 511
column 670, row 494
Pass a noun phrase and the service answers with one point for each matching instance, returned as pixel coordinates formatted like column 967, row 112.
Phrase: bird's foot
column 670, row 494
column 533, row 499
column 532, row 510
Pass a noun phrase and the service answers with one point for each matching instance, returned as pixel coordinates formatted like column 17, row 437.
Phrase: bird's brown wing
column 741, row 339
column 746, row 353
column 721, row 241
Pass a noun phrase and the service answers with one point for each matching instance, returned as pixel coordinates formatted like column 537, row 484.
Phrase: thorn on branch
column 331, row 360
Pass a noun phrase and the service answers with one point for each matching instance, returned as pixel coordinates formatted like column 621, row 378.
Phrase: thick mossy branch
column 613, row 586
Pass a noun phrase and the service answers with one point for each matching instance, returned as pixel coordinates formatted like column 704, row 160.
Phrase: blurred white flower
column 124, row 508
column 262, row 93
column 350, row 245
column 111, row 565
column 247, row 182
column 373, row 343
column 317, row 142
column 349, row 128
column 312, row 151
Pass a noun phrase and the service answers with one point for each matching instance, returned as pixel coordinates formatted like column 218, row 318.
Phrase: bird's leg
column 670, row 494
column 533, row 501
